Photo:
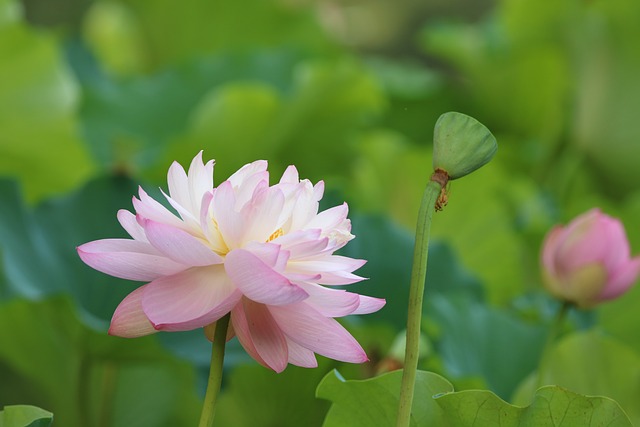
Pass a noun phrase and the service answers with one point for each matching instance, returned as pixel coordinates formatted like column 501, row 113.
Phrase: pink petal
column 178, row 185
column 618, row 245
column 127, row 259
column 329, row 263
column 308, row 249
column 337, row 278
column 200, row 181
column 208, row 225
column 241, row 328
column 298, row 237
column 320, row 334
column 260, row 282
column 290, row 175
column 550, row 248
column 184, row 213
column 301, row 356
column 334, row 269
column 369, row 305
column 130, row 224
column 623, row 278
column 129, row 321
column 318, row 191
column 330, row 302
column 304, row 207
column 330, row 218
column 268, row 339
column 247, row 171
column 246, row 189
column 179, row 245
column 584, row 242
column 269, row 253
column 229, row 221
column 262, row 214
column 191, row 299
column 151, row 209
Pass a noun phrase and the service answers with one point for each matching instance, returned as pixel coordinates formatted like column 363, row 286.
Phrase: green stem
column 554, row 331
column 215, row 372
column 416, row 291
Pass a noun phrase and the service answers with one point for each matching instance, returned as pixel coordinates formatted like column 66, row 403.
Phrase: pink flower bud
column 588, row 261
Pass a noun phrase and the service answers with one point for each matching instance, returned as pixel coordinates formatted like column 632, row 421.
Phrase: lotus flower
column 588, row 261
column 261, row 252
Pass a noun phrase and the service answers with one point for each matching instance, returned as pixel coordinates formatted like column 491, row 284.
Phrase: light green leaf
column 223, row 26
column 551, row 407
column 374, row 402
column 231, row 123
column 25, row 416
column 593, row 364
column 39, row 141
column 308, row 124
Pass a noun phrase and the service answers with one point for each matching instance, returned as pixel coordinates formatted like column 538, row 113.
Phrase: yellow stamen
column 275, row 235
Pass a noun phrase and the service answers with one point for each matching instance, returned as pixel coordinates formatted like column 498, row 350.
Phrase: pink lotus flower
column 260, row 252
column 588, row 261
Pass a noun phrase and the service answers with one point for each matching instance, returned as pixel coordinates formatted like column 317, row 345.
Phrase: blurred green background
column 98, row 97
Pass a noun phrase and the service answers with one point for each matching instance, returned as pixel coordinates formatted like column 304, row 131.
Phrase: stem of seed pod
column 431, row 194
column 215, row 372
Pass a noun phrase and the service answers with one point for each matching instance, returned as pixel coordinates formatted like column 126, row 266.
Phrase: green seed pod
column 461, row 144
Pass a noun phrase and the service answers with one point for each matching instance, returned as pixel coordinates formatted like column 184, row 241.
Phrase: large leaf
column 551, row 407
column 475, row 339
column 39, row 141
column 484, row 222
column 84, row 376
column 374, row 402
column 222, row 26
column 25, row 416
column 594, row 364
column 128, row 122
column 309, row 124
column 388, row 248
column 257, row 397
column 48, row 235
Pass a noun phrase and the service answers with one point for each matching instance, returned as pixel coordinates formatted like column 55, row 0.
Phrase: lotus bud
column 588, row 261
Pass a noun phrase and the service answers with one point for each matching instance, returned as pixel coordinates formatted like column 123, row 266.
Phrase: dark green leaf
column 88, row 378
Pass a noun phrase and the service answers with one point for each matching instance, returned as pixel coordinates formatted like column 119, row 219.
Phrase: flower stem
column 215, row 372
column 554, row 331
column 416, row 291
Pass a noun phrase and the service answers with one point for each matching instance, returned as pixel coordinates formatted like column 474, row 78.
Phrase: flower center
column 275, row 235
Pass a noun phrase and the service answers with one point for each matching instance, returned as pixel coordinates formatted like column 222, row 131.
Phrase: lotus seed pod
column 461, row 144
